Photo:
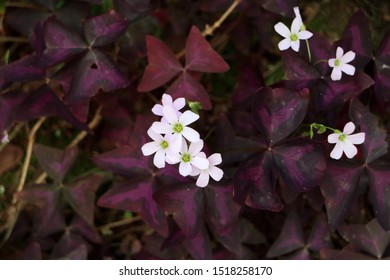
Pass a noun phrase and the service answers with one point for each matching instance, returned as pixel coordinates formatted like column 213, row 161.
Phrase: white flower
column 4, row 138
column 213, row 171
column 298, row 16
column 189, row 158
column 167, row 100
column 340, row 64
column 178, row 126
column 345, row 141
column 291, row 38
column 161, row 146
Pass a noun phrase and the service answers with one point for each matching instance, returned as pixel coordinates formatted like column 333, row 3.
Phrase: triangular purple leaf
column 22, row 70
column 133, row 9
column 200, row 246
column 320, row 235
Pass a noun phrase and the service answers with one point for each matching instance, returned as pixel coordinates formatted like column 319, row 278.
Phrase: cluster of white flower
column 298, row 32
column 170, row 136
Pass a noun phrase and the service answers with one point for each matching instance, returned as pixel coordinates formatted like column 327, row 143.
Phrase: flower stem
column 308, row 50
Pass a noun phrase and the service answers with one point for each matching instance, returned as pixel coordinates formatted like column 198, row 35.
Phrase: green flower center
column 178, row 127
column 164, row 144
column 337, row 62
column 342, row 137
column 186, row 157
column 294, row 37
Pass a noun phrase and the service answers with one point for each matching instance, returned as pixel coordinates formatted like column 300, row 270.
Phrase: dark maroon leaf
column 61, row 43
column 70, row 246
column 335, row 93
column 284, row 8
column 188, row 87
column 296, row 67
column 95, row 71
column 200, row 56
column 163, row 65
column 185, row 203
column 137, row 195
column 200, row 246
column 300, row 162
column 320, row 235
column 339, row 188
column 22, row 70
column 50, row 4
column 222, row 212
column 382, row 70
column 302, row 254
column 55, row 162
column 92, row 1
column 87, row 231
column 9, row 102
column 379, row 193
column 80, row 195
column 357, row 37
column 321, row 50
column 31, row 252
column 278, row 112
column 30, row 19
column 255, row 182
column 290, row 239
column 371, row 237
column 133, row 9
column 105, row 29
column 375, row 144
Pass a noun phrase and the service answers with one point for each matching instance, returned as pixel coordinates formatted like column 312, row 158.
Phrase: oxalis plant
column 218, row 129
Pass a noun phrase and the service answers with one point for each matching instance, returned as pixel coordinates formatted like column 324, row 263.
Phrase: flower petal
column 154, row 135
column 160, row 127
column 170, row 114
column 357, row 138
column 195, row 171
column 348, row 57
column 176, row 143
column 331, row 62
column 166, row 100
column 336, row 74
column 304, row 35
column 215, row 159
column 195, row 148
column 349, row 128
column 297, row 13
column 188, row 117
column 295, row 45
column 337, row 151
column 150, row 148
column 339, row 53
column 157, row 110
column 159, row 159
column 185, row 168
column 296, row 25
column 282, row 29
column 199, row 162
column 348, row 69
column 215, row 172
column 190, row 134
column 284, row 44
column 203, row 179
column 172, row 158
column 179, row 103
column 333, row 138
column 349, row 149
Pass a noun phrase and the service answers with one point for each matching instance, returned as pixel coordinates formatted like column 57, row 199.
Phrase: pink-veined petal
column 348, row 69
column 357, row 138
column 348, row 57
column 337, row 151
column 200, row 163
column 349, row 128
column 150, row 148
column 185, row 168
column 179, row 103
column 349, row 149
column 166, row 100
column 160, row 127
column 170, row 114
column 159, row 159
column 282, row 29
column 188, row 117
column 295, row 45
column 331, row 62
column 333, row 138
column 190, row 134
column 203, row 179
column 215, row 172
column 296, row 25
column 304, row 35
column 154, row 135
column 195, row 148
column 336, row 74
column 215, row 159
column 157, row 110
column 339, row 53
column 284, row 44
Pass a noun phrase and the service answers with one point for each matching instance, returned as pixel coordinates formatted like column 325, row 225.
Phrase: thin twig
column 120, row 223
column 4, row 39
column 209, row 30
column 30, row 144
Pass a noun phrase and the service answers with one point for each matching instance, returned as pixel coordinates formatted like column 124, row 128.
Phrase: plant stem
column 4, row 39
column 308, row 50
column 120, row 223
